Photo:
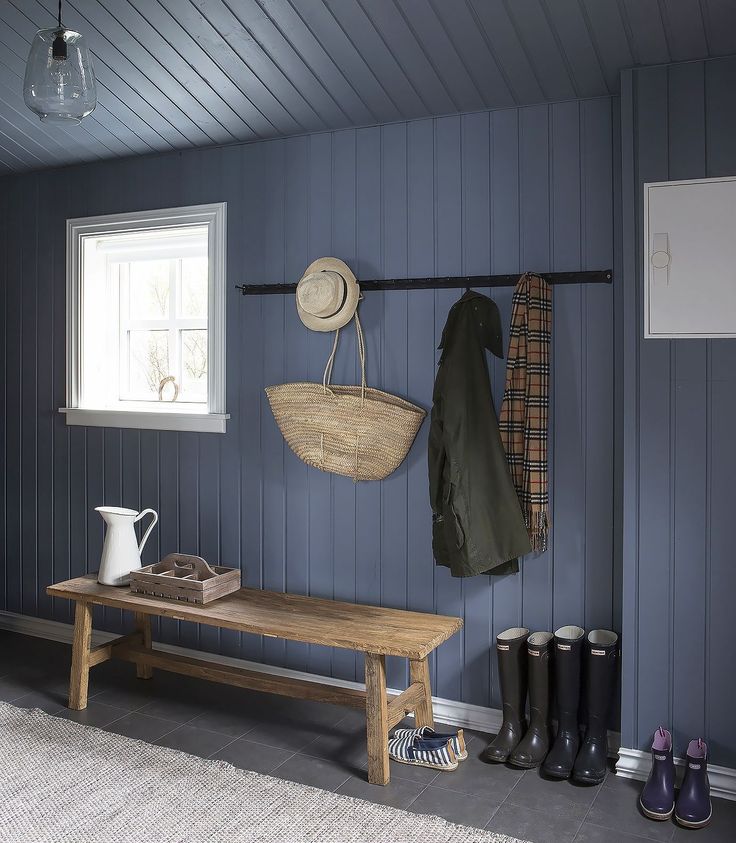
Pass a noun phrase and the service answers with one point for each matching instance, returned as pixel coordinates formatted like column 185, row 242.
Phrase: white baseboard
column 636, row 763
column 459, row 714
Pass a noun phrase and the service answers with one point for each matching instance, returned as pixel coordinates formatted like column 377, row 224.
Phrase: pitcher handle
column 150, row 526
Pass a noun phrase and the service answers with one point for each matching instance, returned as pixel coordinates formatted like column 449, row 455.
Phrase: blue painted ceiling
column 182, row 73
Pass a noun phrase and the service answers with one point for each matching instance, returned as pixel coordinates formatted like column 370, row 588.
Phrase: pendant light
column 59, row 84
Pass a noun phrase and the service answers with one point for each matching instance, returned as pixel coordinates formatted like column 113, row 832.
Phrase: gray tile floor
column 324, row 746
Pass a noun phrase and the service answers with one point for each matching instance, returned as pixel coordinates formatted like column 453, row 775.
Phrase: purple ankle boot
column 694, row 809
column 657, row 800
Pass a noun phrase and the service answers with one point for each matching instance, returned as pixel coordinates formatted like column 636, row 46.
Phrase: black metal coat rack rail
column 459, row 282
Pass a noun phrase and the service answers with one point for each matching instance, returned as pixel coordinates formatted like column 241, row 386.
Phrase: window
column 146, row 320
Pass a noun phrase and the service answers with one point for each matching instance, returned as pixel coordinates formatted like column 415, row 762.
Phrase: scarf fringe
column 538, row 525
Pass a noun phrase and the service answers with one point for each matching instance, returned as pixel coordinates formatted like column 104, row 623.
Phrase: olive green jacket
column 477, row 524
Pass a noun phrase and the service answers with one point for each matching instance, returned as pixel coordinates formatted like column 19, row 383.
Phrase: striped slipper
column 458, row 740
column 411, row 749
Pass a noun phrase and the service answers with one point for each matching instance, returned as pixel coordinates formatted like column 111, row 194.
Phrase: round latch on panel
column 660, row 259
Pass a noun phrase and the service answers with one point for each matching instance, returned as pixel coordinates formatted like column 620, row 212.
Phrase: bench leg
column 419, row 672
column 143, row 625
column 79, row 679
column 376, row 710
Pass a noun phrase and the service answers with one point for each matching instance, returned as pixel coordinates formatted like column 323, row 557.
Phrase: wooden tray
column 188, row 578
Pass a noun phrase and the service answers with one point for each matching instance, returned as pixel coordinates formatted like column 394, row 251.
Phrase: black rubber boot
column 568, row 652
column 601, row 650
column 512, row 671
column 534, row 746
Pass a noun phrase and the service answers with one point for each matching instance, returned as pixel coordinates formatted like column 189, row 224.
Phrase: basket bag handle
column 327, row 377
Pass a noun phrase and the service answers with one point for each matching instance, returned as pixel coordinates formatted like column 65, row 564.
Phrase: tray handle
column 198, row 565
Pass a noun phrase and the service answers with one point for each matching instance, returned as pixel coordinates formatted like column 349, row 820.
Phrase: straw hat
column 327, row 295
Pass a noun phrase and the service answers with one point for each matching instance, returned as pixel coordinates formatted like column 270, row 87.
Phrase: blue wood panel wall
column 680, row 456
column 502, row 191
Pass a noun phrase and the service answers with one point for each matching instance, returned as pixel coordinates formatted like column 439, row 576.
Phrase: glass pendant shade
column 59, row 84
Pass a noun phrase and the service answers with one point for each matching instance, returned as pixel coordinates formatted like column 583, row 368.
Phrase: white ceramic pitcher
column 121, row 552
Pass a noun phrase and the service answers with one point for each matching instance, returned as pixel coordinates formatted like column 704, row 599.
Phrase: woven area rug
column 61, row 782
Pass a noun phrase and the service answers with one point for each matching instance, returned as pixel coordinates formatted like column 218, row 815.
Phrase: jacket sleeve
column 437, row 457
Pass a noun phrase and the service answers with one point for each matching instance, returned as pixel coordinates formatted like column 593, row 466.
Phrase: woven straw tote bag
column 355, row 431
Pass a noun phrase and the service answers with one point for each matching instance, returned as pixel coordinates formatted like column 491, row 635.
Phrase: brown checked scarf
column 523, row 421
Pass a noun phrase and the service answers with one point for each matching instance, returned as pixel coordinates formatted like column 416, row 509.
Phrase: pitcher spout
column 111, row 513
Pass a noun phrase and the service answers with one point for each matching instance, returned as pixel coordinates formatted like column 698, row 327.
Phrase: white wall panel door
column 690, row 258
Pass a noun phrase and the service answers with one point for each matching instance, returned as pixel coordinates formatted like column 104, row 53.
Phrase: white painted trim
column 195, row 422
column 459, row 714
column 636, row 763
column 214, row 216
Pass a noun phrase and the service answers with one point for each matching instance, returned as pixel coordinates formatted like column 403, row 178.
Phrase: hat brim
column 349, row 305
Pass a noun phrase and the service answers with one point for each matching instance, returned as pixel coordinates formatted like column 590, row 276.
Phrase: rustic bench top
column 312, row 620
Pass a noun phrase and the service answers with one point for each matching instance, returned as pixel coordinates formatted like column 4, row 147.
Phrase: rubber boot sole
column 586, row 780
column 491, row 759
column 653, row 815
column 556, row 774
column 523, row 766
column 688, row 824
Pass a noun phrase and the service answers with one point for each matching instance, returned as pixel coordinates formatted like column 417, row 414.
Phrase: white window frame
column 212, row 418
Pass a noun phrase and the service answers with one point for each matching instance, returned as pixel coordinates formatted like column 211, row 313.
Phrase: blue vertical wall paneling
column 296, row 473
column 3, row 369
column 476, row 216
column 570, row 327
column 250, row 355
column 448, row 251
column 488, row 192
column 29, row 366
column 720, row 574
column 344, row 202
column 275, row 525
column 394, row 365
column 678, row 461
column 506, row 609
column 691, row 364
column 535, row 209
column 320, row 568
column 421, row 345
column 13, row 380
column 368, row 263
column 602, row 599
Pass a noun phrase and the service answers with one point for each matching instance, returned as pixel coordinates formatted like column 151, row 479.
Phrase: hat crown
column 327, row 295
column 321, row 293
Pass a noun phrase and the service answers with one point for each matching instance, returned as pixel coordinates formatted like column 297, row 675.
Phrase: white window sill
column 147, row 420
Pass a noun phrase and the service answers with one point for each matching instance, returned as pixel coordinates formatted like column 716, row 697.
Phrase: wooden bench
column 371, row 630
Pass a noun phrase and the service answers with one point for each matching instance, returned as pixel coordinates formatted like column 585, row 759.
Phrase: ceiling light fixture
column 59, row 83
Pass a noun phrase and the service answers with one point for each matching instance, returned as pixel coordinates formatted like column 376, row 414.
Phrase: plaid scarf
column 524, row 411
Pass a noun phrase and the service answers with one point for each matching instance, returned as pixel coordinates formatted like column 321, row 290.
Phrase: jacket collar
column 484, row 314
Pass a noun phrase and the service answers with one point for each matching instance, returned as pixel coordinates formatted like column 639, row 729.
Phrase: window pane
column 194, row 365
column 149, row 289
column 148, row 363
column 194, row 288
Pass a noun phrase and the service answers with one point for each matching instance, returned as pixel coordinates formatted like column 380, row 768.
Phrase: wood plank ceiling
column 181, row 73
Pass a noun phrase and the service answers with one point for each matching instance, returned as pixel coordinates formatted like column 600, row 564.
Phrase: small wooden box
column 181, row 577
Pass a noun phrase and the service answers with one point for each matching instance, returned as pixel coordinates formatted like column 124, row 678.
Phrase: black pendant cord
column 59, row 50
column 464, row 282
